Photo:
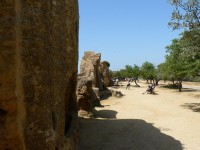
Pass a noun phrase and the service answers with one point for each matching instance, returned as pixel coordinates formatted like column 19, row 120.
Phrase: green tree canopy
column 190, row 42
column 178, row 66
column 148, row 71
column 164, row 71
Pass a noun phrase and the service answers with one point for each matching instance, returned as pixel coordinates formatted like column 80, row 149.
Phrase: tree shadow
column 195, row 107
column 176, row 88
column 123, row 134
column 155, row 93
column 189, row 90
column 170, row 86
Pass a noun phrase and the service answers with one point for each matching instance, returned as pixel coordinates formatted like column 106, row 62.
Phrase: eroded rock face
column 89, row 67
column 104, row 69
column 115, row 93
column 38, row 65
column 86, row 98
column 92, row 83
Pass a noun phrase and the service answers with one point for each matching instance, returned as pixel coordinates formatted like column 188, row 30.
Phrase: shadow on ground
column 176, row 88
column 105, row 114
column 189, row 90
column 123, row 134
column 195, row 107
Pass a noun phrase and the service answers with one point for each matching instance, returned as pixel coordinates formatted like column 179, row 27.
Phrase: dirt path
column 167, row 121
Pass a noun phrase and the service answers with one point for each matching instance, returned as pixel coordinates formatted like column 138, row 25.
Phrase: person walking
column 128, row 85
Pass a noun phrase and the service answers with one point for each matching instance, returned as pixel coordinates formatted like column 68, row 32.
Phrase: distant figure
column 150, row 89
column 117, row 81
column 128, row 85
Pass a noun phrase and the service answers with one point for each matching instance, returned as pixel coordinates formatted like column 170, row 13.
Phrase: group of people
column 149, row 90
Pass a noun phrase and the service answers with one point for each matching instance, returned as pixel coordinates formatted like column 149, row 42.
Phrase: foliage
column 186, row 14
column 190, row 42
column 132, row 72
column 163, row 71
column 116, row 74
column 148, row 71
column 177, row 66
column 129, row 72
column 180, row 64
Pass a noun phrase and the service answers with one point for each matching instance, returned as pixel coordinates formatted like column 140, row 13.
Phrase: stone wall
column 38, row 70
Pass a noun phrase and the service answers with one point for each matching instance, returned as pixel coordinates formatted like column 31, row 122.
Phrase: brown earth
column 168, row 120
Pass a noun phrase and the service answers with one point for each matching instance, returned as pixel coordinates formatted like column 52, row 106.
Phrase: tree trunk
column 136, row 83
column 157, row 82
column 147, row 81
column 180, row 86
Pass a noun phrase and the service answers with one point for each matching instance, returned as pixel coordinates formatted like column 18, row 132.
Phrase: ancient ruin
column 90, row 65
column 38, row 65
column 93, row 82
column 104, row 70
column 86, row 98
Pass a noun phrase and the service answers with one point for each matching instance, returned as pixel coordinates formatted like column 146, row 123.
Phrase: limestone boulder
column 105, row 73
column 89, row 67
column 86, row 98
column 115, row 93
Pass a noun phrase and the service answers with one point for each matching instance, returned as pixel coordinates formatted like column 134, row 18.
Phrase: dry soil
column 167, row 120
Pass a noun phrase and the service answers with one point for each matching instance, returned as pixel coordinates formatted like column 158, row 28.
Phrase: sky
column 125, row 32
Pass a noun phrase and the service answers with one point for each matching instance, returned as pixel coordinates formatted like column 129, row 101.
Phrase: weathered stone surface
column 38, row 67
column 102, row 94
column 86, row 98
column 104, row 70
column 117, row 94
column 89, row 67
column 92, row 84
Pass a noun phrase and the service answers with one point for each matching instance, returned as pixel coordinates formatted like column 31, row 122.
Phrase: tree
column 132, row 72
column 190, row 42
column 186, row 14
column 135, row 74
column 176, row 63
column 157, row 77
column 128, row 71
column 163, row 71
column 148, row 71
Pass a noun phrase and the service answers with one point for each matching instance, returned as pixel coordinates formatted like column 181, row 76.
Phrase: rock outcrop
column 90, row 65
column 92, row 85
column 104, row 70
column 84, row 97
column 38, row 70
column 115, row 93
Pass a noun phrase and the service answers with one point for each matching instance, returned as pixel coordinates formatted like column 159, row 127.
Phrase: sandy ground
column 169, row 120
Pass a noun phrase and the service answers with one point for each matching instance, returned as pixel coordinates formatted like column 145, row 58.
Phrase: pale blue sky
column 125, row 31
